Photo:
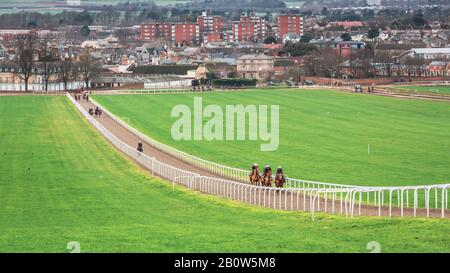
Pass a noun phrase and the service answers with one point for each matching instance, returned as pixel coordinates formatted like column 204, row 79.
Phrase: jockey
column 267, row 176
column 279, row 178
column 140, row 147
column 254, row 175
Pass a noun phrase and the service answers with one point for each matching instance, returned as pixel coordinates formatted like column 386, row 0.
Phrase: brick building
column 249, row 28
column 210, row 27
column 290, row 24
column 257, row 66
column 178, row 33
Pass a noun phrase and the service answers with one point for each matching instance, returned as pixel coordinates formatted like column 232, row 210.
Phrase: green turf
column 324, row 135
column 61, row 181
column 443, row 90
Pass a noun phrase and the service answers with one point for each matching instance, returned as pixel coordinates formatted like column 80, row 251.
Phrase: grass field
column 443, row 90
column 61, row 181
column 324, row 135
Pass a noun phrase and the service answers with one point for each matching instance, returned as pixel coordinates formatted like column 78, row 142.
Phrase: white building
column 73, row 2
column 430, row 53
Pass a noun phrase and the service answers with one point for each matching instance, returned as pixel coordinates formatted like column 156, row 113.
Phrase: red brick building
column 185, row 33
column 210, row 25
column 213, row 37
column 178, row 33
column 153, row 31
column 290, row 24
column 249, row 28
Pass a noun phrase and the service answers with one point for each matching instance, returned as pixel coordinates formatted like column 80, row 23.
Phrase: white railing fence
column 306, row 196
column 425, row 201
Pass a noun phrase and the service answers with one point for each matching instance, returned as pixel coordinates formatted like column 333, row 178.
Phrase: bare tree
column 414, row 64
column 361, row 62
column 46, row 59
column 26, row 47
column 324, row 62
column 67, row 71
column 386, row 59
column 88, row 67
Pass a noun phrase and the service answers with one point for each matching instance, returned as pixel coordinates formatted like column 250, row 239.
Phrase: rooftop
column 441, row 50
column 255, row 57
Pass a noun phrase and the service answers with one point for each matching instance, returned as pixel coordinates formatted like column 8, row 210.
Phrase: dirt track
column 381, row 91
column 257, row 197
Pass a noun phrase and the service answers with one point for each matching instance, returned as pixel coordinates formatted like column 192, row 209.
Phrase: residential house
column 255, row 66
column 3, row 52
column 344, row 48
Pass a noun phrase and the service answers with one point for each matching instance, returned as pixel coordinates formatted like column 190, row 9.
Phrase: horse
column 279, row 178
column 140, row 147
column 255, row 177
column 267, row 177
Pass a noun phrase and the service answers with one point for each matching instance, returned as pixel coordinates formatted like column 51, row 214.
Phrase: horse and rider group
column 266, row 178
column 97, row 112
column 81, row 94
column 359, row 88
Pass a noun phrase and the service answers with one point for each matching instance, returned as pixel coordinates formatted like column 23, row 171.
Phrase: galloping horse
column 279, row 178
column 255, row 177
column 267, row 177
column 140, row 147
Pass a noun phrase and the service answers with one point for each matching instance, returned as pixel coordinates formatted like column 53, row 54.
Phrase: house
column 346, row 24
column 3, row 52
column 437, row 69
column 352, row 69
column 221, row 70
column 142, row 55
column 255, row 66
column 389, row 49
column 442, row 53
column 344, row 48
column 291, row 37
column 402, row 70
column 42, row 77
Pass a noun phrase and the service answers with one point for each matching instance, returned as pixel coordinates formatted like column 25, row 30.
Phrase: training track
column 288, row 201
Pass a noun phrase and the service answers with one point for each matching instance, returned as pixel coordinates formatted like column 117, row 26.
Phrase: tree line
column 34, row 57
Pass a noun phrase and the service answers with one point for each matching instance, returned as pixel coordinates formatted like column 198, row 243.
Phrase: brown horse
column 255, row 177
column 140, row 147
column 279, row 178
column 267, row 177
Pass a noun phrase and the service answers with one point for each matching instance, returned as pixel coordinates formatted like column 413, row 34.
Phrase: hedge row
column 164, row 69
column 234, row 82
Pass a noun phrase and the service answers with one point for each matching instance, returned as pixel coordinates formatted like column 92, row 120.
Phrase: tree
column 385, row 59
column 46, row 60
column 85, row 31
column 414, row 64
column 306, row 37
column 419, row 20
column 346, row 36
column 32, row 24
column 67, row 71
column 270, row 40
column 83, row 18
column 299, row 49
column 26, row 47
column 324, row 62
column 373, row 33
column 88, row 67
